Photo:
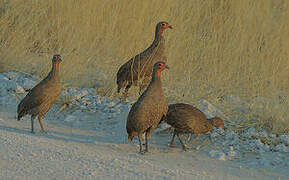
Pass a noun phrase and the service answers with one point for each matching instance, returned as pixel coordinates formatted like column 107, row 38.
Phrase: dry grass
column 220, row 47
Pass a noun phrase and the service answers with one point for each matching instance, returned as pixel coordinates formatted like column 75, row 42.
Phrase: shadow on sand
column 62, row 136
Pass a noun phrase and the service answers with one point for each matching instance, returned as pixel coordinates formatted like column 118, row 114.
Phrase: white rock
column 12, row 75
column 266, row 147
column 232, row 99
column 9, row 85
column 3, row 77
column 262, row 134
column 98, row 100
column 28, row 83
column 208, row 109
column 252, row 131
column 258, row 143
column 246, row 135
column 111, row 104
column 218, row 155
column 214, row 134
column 162, row 127
column 20, row 89
column 220, row 131
column 83, row 107
column 230, row 135
column 285, row 139
column 237, row 146
column 282, row 148
column 70, row 118
column 81, row 94
column 232, row 153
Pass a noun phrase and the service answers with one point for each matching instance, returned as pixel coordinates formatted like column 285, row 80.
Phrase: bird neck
column 156, row 76
column 159, row 36
column 55, row 69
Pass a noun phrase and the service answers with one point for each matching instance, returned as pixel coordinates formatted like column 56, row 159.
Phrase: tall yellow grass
column 216, row 48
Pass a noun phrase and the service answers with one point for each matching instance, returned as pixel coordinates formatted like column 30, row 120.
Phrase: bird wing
column 36, row 96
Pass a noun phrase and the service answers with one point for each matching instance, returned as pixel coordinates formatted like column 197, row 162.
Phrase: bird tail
column 19, row 117
column 130, row 138
column 20, row 112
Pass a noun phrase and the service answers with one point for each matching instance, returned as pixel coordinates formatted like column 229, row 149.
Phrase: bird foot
column 172, row 145
column 142, row 152
column 185, row 148
column 43, row 132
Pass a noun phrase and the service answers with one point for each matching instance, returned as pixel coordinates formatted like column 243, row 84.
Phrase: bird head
column 162, row 26
column 56, row 58
column 159, row 67
column 218, row 122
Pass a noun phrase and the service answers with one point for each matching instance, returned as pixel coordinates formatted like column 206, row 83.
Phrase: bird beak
column 167, row 67
column 171, row 27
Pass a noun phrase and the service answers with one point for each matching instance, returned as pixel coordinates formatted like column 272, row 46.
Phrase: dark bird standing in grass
column 40, row 98
column 149, row 109
column 188, row 119
column 139, row 68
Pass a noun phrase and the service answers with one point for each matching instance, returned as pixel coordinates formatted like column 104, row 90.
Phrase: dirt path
column 69, row 153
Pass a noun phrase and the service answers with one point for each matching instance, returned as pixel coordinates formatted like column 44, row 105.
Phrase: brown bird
column 149, row 109
column 188, row 119
column 40, row 98
column 140, row 67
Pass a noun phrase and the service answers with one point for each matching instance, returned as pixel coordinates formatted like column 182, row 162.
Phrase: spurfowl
column 40, row 98
column 188, row 119
column 138, row 70
column 149, row 109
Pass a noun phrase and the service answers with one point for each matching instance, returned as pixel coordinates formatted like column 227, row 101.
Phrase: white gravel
column 87, row 140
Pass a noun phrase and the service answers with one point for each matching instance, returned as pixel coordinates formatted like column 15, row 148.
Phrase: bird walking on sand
column 40, row 99
column 149, row 109
column 139, row 68
column 188, row 119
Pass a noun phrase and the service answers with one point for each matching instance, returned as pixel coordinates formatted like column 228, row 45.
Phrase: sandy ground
column 70, row 153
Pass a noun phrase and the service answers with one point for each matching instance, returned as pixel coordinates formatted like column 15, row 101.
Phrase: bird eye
column 163, row 24
column 160, row 65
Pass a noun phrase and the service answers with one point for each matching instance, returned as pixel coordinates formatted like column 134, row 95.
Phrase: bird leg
column 173, row 139
column 147, row 136
column 125, row 93
column 41, row 125
column 195, row 139
column 32, row 123
column 140, row 143
column 183, row 144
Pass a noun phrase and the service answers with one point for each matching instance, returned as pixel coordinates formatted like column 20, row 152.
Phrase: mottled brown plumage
column 149, row 109
column 188, row 119
column 40, row 98
column 140, row 67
